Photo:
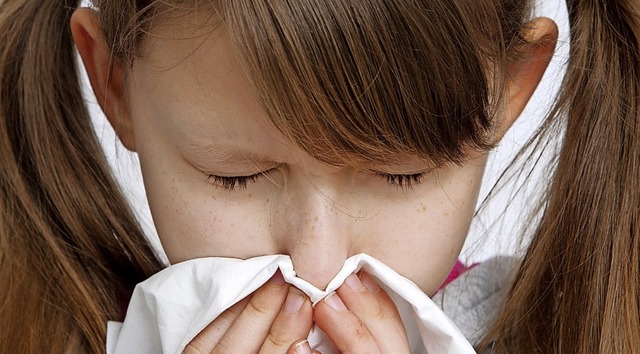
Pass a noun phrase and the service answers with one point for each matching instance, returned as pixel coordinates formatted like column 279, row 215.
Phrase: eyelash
column 231, row 183
column 404, row 182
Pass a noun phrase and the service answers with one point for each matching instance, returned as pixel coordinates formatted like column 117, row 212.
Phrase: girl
column 319, row 129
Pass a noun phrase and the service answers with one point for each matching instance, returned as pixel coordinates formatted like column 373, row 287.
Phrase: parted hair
column 350, row 82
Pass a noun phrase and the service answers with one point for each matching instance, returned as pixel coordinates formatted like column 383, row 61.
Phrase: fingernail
column 354, row 283
column 370, row 284
column 277, row 278
column 334, row 301
column 294, row 301
column 303, row 347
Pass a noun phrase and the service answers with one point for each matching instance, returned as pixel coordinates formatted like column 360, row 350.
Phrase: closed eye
column 403, row 181
column 232, row 183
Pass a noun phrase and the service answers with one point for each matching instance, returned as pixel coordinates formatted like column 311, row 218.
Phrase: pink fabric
column 458, row 269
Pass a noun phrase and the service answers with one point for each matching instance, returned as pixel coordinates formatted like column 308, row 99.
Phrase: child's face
column 195, row 115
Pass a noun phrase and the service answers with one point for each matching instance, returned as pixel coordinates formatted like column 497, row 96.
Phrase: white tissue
column 169, row 309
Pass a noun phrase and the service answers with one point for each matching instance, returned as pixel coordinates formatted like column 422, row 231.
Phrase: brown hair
column 70, row 248
column 578, row 289
column 352, row 83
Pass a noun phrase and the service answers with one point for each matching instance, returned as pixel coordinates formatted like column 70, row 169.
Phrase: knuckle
column 237, row 309
column 278, row 340
column 361, row 342
column 221, row 348
column 379, row 314
column 361, row 333
column 259, row 308
column 192, row 348
column 394, row 317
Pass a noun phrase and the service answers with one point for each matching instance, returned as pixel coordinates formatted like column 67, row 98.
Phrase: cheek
column 422, row 239
column 192, row 218
column 427, row 246
column 193, row 223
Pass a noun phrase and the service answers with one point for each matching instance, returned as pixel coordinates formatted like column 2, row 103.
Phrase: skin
column 189, row 112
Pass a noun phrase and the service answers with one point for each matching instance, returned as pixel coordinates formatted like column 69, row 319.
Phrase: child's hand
column 366, row 322
column 271, row 320
column 362, row 318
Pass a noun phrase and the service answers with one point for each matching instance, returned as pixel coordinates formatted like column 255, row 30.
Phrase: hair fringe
column 352, row 98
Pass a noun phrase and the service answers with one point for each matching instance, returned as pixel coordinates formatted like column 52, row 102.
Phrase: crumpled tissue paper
column 170, row 308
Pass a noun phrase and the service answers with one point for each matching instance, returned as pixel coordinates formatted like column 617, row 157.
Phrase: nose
column 313, row 230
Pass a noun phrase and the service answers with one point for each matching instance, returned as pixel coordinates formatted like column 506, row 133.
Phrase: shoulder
column 473, row 299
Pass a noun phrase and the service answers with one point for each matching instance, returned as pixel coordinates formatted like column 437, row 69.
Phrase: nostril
column 317, row 268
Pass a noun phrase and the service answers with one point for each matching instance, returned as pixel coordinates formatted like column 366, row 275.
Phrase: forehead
column 191, row 83
column 330, row 98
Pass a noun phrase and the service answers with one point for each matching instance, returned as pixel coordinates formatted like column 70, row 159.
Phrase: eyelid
column 256, row 171
column 231, row 183
column 403, row 181
column 403, row 173
column 248, row 168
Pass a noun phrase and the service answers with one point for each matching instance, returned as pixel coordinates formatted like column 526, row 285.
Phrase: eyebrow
column 230, row 153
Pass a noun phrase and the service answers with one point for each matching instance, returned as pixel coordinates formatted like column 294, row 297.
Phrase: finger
column 301, row 347
column 343, row 327
column 375, row 309
column 210, row 337
column 375, row 312
column 251, row 327
column 207, row 339
column 292, row 323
